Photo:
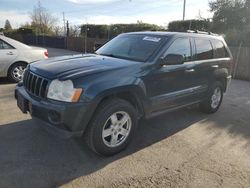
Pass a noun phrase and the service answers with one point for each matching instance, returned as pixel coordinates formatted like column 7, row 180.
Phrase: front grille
column 35, row 84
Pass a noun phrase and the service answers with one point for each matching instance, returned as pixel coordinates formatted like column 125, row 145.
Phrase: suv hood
column 66, row 67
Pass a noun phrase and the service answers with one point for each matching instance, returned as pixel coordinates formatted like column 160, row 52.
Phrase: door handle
column 10, row 53
column 189, row 70
column 215, row 66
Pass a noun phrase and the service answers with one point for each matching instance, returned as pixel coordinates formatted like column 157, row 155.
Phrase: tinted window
column 4, row 45
column 204, row 49
column 134, row 47
column 181, row 46
column 219, row 49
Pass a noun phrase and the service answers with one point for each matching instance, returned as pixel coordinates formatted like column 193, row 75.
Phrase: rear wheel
column 112, row 127
column 16, row 72
column 214, row 99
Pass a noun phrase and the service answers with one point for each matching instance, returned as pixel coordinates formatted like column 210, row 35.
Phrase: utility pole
column 64, row 26
column 86, row 36
column 108, row 32
column 184, row 9
column 67, row 28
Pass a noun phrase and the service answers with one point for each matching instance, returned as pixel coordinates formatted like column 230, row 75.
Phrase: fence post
column 237, row 59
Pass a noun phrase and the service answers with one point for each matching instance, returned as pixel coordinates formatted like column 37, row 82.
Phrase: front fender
column 100, row 90
column 104, row 88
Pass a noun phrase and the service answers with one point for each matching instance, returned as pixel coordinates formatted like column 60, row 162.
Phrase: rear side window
column 4, row 45
column 181, row 46
column 219, row 49
column 204, row 49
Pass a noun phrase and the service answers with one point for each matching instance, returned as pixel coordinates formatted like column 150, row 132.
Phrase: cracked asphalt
column 185, row 148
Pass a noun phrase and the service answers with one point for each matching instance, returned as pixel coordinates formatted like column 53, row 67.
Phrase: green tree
column 232, row 18
column 110, row 31
column 202, row 25
column 7, row 26
column 229, row 14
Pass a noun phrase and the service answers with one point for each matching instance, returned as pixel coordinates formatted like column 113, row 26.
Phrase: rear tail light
column 46, row 54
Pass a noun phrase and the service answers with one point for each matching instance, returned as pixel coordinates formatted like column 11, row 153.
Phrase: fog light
column 54, row 117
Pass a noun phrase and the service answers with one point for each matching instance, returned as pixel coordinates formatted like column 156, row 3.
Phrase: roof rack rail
column 202, row 32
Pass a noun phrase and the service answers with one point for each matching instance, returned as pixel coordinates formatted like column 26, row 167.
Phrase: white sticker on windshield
column 153, row 39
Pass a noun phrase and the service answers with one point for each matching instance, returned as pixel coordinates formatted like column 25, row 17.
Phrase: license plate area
column 22, row 103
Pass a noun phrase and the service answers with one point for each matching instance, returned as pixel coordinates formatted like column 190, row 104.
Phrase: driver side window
column 181, row 46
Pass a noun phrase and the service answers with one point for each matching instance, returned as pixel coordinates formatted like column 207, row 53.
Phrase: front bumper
column 64, row 119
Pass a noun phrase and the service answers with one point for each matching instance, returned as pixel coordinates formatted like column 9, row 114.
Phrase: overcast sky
column 104, row 11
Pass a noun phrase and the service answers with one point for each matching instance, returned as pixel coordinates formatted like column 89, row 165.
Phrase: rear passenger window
column 181, row 46
column 219, row 49
column 204, row 49
column 4, row 45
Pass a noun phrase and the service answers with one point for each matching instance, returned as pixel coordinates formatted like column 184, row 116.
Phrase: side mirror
column 173, row 59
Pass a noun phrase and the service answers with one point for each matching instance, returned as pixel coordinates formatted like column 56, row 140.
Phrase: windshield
column 132, row 47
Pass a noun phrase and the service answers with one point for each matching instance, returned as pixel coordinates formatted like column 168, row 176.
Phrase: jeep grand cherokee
column 102, row 96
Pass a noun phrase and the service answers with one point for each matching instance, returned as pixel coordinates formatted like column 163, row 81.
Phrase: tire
column 214, row 98
column 106, row 136
column 15, row 73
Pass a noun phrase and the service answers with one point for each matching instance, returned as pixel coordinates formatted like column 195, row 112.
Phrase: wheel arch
column 221, row 76
column 16, row 62
column 133, row 95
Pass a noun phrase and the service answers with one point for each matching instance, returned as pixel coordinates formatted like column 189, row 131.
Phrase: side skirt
column 157, row 113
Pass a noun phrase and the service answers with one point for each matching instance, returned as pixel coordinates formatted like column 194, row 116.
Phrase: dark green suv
column 102, row 96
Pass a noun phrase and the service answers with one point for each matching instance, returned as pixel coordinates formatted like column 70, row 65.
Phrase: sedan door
column 170, row 86
column 7, row 56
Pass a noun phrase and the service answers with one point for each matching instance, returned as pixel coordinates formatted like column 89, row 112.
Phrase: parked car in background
column 15, row 56
column 103, row 95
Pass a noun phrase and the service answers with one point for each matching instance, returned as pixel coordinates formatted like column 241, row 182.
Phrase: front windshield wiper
column 110, row 55
column 121, row 57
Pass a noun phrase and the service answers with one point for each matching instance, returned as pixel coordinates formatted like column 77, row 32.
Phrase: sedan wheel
column 16, row 72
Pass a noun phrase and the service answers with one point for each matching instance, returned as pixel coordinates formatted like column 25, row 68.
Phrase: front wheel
column 213, row 101
column 112, row 127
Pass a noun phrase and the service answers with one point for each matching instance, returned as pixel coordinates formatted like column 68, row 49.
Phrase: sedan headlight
column 63, row 91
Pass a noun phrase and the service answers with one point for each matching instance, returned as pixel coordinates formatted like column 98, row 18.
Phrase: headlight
column 63, row 91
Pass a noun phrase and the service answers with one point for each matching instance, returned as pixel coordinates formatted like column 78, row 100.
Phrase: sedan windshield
column 132, row 47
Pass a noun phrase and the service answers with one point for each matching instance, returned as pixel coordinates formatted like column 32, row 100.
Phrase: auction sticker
column 152, row 39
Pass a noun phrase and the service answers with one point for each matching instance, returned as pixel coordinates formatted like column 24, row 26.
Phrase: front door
column 170, row 86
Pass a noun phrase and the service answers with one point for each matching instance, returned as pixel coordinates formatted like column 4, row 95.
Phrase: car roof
column 180, row 34
column 14, row 43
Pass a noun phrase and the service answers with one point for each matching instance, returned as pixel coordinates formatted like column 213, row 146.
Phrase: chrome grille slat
column 35, row 84
column 30, row 82
column 38, row 86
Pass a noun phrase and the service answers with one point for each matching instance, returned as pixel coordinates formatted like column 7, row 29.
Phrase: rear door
column 221, row 55
column 204, row 64
column 7, row 56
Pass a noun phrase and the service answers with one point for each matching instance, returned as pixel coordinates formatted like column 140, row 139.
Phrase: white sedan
column 15, row 56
